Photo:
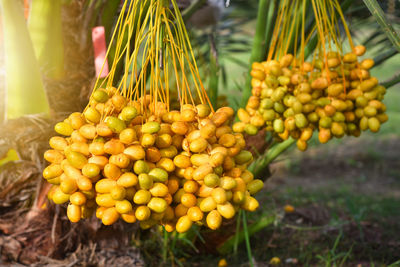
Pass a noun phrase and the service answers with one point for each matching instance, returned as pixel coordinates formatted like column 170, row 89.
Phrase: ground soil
column 348, row 192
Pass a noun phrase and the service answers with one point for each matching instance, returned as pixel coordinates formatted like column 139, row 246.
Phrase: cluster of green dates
column 335, row 97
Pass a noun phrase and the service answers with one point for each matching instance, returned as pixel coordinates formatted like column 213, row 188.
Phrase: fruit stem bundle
column 259, row 165
column 129, row 156
column 160, row 43
column 332, row 93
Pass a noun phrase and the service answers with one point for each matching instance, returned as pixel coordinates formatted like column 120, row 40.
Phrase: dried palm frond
column 18, row 182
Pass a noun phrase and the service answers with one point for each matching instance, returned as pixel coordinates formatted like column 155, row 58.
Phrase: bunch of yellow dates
column 335, row 96
column 141, row 162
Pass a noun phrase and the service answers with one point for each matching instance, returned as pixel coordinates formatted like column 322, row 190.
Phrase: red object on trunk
column 100, row 50
column 26, row 8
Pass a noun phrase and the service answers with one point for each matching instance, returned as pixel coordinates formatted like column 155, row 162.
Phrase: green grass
column 330, row 244
column 342, row 196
